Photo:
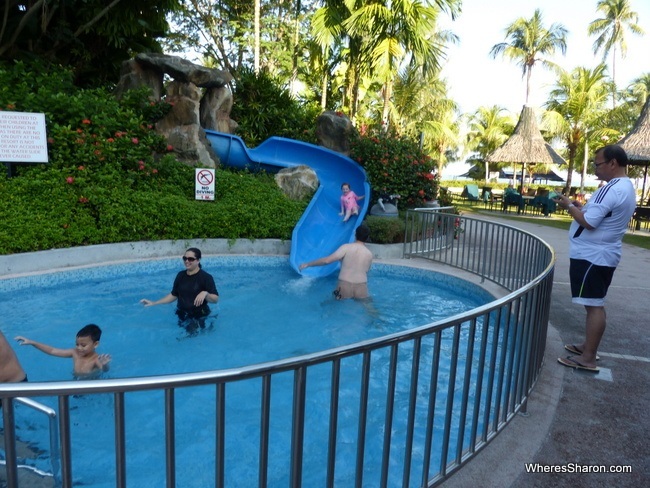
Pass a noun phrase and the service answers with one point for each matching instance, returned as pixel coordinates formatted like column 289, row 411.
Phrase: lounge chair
column 470, row 192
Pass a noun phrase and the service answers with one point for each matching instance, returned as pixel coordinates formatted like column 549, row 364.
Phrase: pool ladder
column 55, row 455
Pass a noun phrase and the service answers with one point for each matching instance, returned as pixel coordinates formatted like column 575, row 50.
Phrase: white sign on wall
column 204, row 181
column 22, row 138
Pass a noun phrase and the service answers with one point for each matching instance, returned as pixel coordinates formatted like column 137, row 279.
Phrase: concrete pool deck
column 579, row 420
column 574, row 419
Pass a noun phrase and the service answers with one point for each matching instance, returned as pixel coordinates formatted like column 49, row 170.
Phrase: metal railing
column 457, row 382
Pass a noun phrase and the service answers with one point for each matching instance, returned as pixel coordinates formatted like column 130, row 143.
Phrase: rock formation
column 200, row 96
column 297, row 182
column 333, row 131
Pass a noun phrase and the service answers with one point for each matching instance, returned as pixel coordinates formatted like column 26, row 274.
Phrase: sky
column 476, row 79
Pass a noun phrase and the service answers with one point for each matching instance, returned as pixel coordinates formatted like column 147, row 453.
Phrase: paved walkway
column 577, row 420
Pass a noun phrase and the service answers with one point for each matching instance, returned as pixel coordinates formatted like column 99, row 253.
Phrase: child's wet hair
column 92, row 331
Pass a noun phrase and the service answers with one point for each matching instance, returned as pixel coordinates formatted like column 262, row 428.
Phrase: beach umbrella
column 637, row 143
column 526, row 145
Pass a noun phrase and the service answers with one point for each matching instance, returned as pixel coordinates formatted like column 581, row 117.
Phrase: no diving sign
column 204, row 180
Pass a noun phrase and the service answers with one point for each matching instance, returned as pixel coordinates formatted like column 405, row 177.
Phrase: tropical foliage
column 111, row 178
column 577, row 109
column 91, row 37
column 530, row 42
column 488, row 128
column 396, row 165
column 610, row 31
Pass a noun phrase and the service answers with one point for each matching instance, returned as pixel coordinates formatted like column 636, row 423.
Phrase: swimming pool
column 254, row 291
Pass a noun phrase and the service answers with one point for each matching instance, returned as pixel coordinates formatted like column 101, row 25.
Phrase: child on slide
column 349, row 200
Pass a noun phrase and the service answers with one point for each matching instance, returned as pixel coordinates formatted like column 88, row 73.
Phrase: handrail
column 503, row 353
column 54, row 434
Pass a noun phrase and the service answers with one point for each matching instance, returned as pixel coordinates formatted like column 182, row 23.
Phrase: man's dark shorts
column 589, row 282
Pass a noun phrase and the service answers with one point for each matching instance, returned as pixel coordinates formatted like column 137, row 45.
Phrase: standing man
column 10, row 369
column 595, row 238
column 355, row 259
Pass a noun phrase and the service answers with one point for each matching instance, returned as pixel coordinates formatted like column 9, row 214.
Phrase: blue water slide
column 320, row 230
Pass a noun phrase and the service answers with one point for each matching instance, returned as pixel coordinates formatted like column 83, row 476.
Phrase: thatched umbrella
column 526, row 145
column 637, row 143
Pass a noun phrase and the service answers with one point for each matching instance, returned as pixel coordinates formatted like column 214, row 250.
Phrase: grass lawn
column 559, row 221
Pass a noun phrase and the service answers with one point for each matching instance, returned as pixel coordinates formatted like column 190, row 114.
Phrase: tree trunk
column 572, row 157
column 323, row 96
column 388, row 91
column 257, row 37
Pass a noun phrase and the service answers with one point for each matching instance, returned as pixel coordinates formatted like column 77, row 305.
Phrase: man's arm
column 335, row 256
column 574, row 209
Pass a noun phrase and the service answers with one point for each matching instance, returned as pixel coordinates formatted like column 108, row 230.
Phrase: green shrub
column 265, row 108
column 385, row 230
column 396, row 165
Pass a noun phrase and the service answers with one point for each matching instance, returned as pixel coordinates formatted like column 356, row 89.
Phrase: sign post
column 204, row 183
column 22, row 139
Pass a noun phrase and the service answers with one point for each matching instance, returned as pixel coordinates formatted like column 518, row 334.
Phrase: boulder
column 215, row 108
column 333, row 131
column 133, row 75
column 183, row 70
column 181, row 126
column 297, row 182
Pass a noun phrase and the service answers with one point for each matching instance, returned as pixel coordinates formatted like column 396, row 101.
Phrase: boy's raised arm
column 52, row 351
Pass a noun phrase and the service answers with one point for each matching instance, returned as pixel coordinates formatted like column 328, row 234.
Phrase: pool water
column 266, row 312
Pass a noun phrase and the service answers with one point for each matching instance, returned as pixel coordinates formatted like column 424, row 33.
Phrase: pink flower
column 81, row 168
column 141, row 165
column 83, row 200
column 69, row 180
column 135, row 140
column 110, row 139
column 154, row 171
column 170, row 147
column 86, row 121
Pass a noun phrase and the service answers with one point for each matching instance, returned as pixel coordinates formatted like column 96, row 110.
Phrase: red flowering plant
column 396, row 165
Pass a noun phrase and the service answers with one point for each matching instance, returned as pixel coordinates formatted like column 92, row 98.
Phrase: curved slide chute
column 320, row 230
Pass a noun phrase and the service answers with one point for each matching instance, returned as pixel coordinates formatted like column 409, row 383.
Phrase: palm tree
column 610, row 31
column 377, row 36
column 529, row 42
column 421, row 108
column 488, row 128
column 395, row 31
column 576, row 107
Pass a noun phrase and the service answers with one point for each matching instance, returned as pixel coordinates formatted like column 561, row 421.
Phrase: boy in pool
column 86, row 362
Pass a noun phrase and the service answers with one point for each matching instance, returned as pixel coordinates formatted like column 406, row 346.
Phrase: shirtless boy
column 86, row 362
column 355, row 259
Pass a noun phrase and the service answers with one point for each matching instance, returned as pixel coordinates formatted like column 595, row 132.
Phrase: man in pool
column 355, row 259
column 10, row 369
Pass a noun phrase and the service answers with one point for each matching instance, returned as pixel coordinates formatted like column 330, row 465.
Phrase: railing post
column 10, row 442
